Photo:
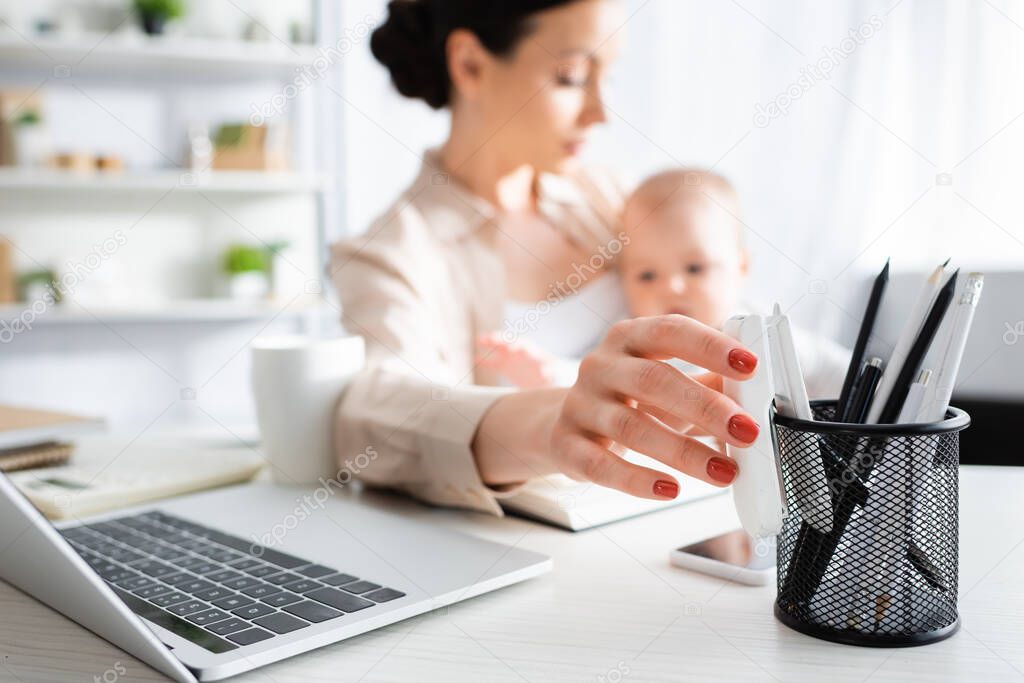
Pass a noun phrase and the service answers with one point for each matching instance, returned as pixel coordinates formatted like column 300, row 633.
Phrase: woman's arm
column 411, row 403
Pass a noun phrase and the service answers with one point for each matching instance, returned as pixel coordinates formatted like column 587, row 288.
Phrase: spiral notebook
column 46, row 454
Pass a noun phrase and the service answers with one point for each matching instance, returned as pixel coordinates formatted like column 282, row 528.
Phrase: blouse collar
column 453, row 211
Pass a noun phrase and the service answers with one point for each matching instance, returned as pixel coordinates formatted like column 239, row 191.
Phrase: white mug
column 297, row 382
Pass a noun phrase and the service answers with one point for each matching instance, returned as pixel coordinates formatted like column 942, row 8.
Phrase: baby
column 685, row 254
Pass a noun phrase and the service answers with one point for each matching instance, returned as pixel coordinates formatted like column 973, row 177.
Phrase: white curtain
column 909, row 147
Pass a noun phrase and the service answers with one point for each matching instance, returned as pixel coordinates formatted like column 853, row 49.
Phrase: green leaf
column 242, row 258
column 170, row 9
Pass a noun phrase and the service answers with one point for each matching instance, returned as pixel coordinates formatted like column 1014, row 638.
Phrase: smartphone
column 734, row 555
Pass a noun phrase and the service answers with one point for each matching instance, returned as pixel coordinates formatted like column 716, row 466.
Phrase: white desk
column 613, row 610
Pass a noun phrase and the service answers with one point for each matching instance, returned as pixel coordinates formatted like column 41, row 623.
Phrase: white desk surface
column 612, row 610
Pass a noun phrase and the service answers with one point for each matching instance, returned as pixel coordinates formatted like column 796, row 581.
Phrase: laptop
column 213, row 584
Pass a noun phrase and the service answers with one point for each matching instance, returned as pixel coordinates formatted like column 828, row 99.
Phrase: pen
column 790, row 391
column 905, row 340
column 864, row 389
column 921, row 470
column 808, row 477
column 936, row 398
column 915, row 397
column 866, row 326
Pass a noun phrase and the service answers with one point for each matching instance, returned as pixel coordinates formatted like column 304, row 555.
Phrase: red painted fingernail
column 666, row 489
column 742, row 360
column 743, row 427
column 722, row 470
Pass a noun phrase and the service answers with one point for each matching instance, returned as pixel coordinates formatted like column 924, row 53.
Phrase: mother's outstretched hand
column 621, row 387
column 622, row 383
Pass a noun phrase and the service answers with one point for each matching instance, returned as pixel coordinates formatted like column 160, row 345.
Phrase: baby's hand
column 522, row 364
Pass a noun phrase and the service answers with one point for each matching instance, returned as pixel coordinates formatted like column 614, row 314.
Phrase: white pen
column 921, row 458
column 790, row 392
column 936, row 398
column 809, row 480
column 906, row 339
column 913, row 402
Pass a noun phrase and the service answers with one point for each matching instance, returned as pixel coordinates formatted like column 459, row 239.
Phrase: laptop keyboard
column 217, row 590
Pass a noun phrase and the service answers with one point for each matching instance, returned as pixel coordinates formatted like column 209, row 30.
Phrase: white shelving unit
column 180, row 311
column 106, row 56
column 235, row 182
column 129, row 61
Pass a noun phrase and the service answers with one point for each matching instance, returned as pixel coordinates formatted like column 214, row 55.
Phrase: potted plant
column 248, row 272
column 31, row 138
column 39, row 285
column 156, row 13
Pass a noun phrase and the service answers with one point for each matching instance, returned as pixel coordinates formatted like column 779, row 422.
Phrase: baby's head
column 685, row 252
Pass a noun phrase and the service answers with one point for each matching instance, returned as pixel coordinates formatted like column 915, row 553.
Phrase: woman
column 499, row 213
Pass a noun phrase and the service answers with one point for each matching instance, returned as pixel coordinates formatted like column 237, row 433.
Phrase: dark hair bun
column 406, row 43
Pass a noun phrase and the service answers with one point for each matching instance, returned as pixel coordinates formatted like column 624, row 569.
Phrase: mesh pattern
column 889, row 574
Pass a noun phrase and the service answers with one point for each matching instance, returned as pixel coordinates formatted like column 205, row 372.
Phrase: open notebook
column 563, row 502
column 107, row 476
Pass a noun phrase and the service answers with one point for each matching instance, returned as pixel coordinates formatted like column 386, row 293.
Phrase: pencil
column 866, row 327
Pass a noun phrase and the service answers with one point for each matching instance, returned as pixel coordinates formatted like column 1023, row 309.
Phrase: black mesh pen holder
column 868, row 552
